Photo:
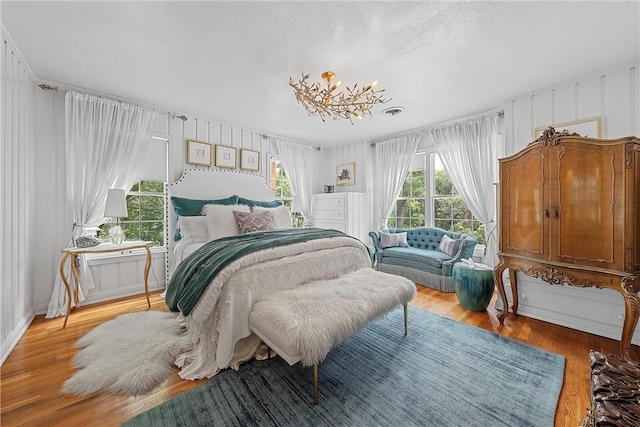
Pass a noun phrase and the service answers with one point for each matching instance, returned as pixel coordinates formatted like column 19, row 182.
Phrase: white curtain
column 105, row 141
column 392, row 162
column 297, row 161
column 468, row 154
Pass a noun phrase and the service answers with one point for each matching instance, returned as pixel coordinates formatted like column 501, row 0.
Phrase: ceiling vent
column 392, row 111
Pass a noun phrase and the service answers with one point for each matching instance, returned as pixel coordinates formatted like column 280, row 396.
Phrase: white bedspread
column 221, row 318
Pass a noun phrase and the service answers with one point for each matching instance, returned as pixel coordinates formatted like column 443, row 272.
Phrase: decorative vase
column 473, row 285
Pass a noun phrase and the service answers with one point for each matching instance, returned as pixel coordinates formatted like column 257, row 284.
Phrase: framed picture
column 199, row 153
column 226, row 156
column 584, row 127
column 346, row 174
column 249, row 160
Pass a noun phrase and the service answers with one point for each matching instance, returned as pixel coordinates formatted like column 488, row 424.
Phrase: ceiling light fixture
column 352, row 102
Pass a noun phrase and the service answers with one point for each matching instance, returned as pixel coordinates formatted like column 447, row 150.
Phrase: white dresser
column 346, row 212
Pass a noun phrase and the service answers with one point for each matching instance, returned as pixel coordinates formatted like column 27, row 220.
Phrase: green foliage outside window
column 450, row 211
column 282, row 187
column 145, row 206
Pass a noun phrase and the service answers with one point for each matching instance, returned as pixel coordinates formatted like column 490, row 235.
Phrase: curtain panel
column 468, row 154
column 392, row 162
column 105, row 141
column 297, row 161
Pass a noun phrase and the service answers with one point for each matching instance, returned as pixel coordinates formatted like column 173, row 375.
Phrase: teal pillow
column 258, row 203
column 193, row 207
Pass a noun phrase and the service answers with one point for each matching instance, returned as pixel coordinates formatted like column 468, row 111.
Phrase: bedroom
column 606, row 79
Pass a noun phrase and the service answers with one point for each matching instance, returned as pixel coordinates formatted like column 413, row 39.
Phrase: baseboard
column 106, row 296
column 11, row 341
column 595, row 311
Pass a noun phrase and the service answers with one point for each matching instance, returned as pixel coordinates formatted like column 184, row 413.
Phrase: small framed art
column 199, row 153
column 226, row 156
column 249, row 160
column 346, row 174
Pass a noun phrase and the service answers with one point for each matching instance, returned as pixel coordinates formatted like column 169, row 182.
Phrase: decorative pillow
column 193, row 228
column 392, row 240
column 450, row 246
column 262, row 204
column 193, row 207
column 248, row 222
column 281, row 216
column 220, row 220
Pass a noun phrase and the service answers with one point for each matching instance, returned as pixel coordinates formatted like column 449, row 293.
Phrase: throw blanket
column 194, row 274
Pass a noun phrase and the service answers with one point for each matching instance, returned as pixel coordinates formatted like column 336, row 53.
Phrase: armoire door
column 522, row 204
column 587, row 204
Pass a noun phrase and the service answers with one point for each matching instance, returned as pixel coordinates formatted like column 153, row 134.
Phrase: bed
column 218, row 320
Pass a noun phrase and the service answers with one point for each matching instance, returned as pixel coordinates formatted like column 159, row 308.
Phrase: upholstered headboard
column 206, row 184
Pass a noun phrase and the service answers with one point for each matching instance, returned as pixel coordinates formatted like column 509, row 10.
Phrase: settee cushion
column 412, row 255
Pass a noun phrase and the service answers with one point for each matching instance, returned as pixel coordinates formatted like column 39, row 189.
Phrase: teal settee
column 422, row 262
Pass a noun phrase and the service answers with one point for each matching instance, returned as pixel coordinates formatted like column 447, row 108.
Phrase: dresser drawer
column 330, row 201
column 330, row 214
column 340, row 226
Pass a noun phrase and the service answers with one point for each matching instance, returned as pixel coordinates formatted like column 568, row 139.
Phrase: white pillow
column 281, row 216
column 449, row 246
column 392, row 240
column 220, row 219
column 193, row 228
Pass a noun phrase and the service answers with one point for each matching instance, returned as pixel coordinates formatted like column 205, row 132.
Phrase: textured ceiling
column 231, row 61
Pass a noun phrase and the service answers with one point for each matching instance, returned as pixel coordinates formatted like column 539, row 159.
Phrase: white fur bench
column 305, row 323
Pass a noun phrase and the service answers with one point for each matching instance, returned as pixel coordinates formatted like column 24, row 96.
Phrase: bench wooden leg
column 315, row 384
column 406, row 318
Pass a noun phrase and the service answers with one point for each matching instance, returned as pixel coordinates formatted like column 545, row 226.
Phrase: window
column 145, row 206
column 279, row 182
column 449, row 211
column 442, row 208
column 409, row 208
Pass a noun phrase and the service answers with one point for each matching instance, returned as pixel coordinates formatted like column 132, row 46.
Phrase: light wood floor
column 32, row 375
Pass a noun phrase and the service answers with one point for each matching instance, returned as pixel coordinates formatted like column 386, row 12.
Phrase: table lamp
column 116, row 207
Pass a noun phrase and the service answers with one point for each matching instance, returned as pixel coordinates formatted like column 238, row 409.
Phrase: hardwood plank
column 32, row 376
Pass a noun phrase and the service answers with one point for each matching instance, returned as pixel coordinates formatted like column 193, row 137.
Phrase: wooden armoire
column 569, row 214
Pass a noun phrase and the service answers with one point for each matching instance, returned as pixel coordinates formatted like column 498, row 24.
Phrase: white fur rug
column 132, row 354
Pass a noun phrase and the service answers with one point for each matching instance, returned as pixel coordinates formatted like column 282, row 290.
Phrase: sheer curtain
column 468, row 154
column 392, row 162
column 297, row 161
column 105, row 141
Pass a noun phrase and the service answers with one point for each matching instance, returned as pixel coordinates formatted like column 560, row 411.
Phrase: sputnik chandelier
column 319, row 101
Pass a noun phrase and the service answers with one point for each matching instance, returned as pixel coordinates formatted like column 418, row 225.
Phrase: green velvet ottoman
column 473, row 286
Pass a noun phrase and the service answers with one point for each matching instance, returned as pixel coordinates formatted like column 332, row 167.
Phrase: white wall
column 613, row 95
column 16, row 192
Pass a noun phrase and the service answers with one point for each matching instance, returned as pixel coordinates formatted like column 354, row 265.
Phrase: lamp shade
column 116, row 204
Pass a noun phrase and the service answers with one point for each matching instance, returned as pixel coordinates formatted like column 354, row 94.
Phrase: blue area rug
column 444, row 373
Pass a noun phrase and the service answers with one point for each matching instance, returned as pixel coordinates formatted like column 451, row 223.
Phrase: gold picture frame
column 199, row 153
column 346, row 174
column 249, row 160
column 226, row 156
column 590, row 127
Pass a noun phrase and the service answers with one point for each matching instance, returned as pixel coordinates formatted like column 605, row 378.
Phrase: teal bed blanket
column 195, row 273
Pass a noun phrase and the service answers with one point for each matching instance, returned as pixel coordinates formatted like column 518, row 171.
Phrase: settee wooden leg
column 315, row 384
